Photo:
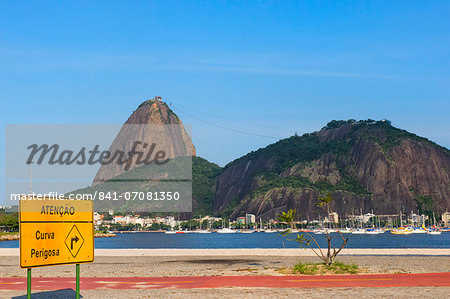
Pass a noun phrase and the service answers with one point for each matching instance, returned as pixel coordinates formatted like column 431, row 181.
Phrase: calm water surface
column 259, row 240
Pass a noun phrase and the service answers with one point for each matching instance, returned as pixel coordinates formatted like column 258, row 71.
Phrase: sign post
column 55, row 232
column 28, row 283
column 78, row 281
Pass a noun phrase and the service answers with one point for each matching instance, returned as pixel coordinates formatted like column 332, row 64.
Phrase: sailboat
column 401, row 230
column 246, row 230
column 202, row 231
column 269, row 230
column 434, row 230
column 345, row 231
column 419, row 230
column 261, row 229
column 372, row 231
column 225, row 230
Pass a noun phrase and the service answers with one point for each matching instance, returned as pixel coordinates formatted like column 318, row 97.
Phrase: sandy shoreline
column 109, row 264
column 253, row 252
column 201, row 265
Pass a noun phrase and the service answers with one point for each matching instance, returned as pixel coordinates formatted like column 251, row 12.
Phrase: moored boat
column 401, row 231
column 372, row 231
column 358, row 231
column 319, row 231
column 226, row 230
column 433, row 232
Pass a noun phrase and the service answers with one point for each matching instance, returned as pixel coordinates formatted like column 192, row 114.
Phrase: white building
column 366, row 217
column 446, row 219
column 97, row 218
column 250, row 218
column 119, row 219
column 333, row 217
column 417, row 220
column 170, row 220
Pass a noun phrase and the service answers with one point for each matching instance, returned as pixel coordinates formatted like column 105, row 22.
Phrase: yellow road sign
column 55, row 232
column 74, row 241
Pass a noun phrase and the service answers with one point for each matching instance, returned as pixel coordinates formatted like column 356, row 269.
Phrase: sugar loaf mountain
column 365, row 165
column 170, row 136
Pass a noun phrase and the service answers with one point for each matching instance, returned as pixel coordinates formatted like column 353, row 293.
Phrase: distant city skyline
column 242, row 74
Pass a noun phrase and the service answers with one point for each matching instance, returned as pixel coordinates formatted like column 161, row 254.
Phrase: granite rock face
column 152, row 123
column 366, row 166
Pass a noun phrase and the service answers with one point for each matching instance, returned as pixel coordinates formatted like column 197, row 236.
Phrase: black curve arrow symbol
column 72, row 240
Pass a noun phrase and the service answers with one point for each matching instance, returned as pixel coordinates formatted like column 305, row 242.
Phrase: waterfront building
column 241, row 220
column 417, row 220
column 119, row 219
column 98, row 218
column 250, row 218
column 446, row 219
column 333, row 217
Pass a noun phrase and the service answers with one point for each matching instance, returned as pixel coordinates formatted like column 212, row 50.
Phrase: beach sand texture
column 142, row 264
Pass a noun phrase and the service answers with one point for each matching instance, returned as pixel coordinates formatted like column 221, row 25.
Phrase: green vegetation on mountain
column 204, row 174
column 296, row 149
column 230, row 208
column 349, row 184
column 325, row 161
column 426, row 205
column 387, row 136
column 309, row 147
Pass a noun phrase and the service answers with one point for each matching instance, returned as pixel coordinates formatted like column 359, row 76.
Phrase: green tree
column 9, row 221
column 425, row 205
column 108, row 217
column 324, row 202
column 288, row 218
column 327, row 258
column 155, row 226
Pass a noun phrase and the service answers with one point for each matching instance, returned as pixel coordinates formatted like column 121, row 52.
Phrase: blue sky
column 268, row 68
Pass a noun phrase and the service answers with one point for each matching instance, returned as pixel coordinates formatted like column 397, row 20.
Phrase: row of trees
column 133, row 227
column 9, row 222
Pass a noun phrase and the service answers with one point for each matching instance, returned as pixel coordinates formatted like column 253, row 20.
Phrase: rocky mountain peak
column 153, row 111
column 170, row 136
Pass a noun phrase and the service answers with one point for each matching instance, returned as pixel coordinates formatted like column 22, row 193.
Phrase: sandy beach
column 200, row 265
column 265, row 293
column 253, row 252
column 181, row 262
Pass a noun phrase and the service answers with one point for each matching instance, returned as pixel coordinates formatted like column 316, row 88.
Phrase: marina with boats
column 357, row 231
column 354, row 225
